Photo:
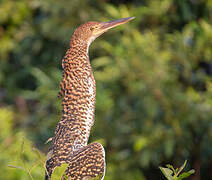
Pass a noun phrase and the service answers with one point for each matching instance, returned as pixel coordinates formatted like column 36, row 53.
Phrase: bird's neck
column 81, row 45
column 79, row 91
column 77, row 55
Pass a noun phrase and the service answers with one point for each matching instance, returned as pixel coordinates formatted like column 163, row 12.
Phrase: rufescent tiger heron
column 78, row 90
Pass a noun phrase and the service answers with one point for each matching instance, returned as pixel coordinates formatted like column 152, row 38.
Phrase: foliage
column 59, row 172
column 153, row 79
column 19, row 159
column 174, row 174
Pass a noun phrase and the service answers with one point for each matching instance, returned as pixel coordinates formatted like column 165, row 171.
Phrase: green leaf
column 172, row 168
column 167, row 173
column 59, row 172
column 181, row 168
column 172, row 174
column 186, row 174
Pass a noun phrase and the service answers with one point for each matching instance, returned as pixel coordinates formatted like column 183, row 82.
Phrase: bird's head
column 89, row 31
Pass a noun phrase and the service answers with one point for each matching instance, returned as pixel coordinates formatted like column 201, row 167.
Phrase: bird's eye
column 93, row 27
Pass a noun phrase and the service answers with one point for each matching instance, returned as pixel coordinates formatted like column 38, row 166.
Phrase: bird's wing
column 85, row 164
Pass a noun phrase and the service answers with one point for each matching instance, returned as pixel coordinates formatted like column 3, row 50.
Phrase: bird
column 78, row 92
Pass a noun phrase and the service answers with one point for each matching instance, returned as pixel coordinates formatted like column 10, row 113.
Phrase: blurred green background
column 153, row 74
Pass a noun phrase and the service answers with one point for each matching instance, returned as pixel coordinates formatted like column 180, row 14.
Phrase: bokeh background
column 153, row 74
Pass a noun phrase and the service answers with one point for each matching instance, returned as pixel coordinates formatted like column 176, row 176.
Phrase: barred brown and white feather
column 87, row 163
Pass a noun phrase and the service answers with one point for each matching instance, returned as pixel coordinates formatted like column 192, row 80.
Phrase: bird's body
column 78, row 91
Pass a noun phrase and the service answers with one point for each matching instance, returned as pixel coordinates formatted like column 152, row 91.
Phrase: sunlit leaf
column 186, row 174
column 167, row 173
column 59, row 171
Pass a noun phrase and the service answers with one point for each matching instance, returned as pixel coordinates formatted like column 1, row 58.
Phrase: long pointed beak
column 111, row 24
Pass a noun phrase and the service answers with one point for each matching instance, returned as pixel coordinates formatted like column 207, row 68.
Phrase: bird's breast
column 79, row 105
